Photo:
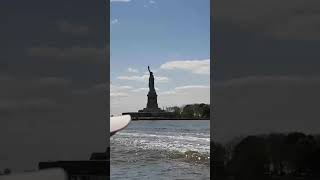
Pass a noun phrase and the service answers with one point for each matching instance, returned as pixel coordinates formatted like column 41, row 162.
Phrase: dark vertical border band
column 107, row 80
column 212, row 107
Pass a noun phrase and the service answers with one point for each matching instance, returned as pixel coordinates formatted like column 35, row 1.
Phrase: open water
column 160, row 150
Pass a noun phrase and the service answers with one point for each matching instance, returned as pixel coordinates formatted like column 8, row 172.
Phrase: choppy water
column 161, row 150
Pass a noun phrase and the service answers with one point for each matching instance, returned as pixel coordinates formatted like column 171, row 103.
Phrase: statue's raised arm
column 149, row 69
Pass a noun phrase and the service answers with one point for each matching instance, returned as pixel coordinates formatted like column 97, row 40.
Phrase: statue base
column 160, row 115
column 151, row 110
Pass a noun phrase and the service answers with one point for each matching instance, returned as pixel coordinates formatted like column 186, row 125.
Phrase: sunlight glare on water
column 162, row 150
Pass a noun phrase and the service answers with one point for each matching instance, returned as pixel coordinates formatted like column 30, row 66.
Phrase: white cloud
column 115, row 21
column 168, row 92
column 193, row 66
column 151, row 2
column 116, row 88
column 191, row 87
column 119, row 91
column 125, row 87
column 133, row 70
column 144, row 78
column 184, row 89
column 184, row 95
column 133, row 78
column 118, row 94
column 142, row 89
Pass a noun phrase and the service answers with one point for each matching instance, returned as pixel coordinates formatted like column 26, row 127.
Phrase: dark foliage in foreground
column 274, row 156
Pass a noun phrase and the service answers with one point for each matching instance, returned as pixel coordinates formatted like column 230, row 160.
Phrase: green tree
column 191, row 111
column 188, row 111
column 206, row 111
column 176, row 111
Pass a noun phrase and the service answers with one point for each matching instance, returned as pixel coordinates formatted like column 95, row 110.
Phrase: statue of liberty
column 151, row 80
column 152, row 103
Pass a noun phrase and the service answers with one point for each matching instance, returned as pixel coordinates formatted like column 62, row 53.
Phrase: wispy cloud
column 182, row 95
column 114, row 88
column 142, row 89
column 151, row 2
column 191, row 87
column 144, row 78
column 168, row 92
column 193, row 66
column 133, row 70
column 115, row 21
column 184, row 89
column 118, row 94
column 119, row 91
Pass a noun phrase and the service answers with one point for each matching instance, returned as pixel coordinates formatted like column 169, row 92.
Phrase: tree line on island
column 268, row 157
column 196, row 111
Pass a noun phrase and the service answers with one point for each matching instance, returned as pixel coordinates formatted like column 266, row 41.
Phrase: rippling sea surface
column 162, row 150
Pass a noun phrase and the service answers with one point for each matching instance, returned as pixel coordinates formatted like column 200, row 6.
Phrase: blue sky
column 173, row 37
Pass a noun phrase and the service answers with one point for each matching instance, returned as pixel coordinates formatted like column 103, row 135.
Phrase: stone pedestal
column 152, row 104
column 152, row 100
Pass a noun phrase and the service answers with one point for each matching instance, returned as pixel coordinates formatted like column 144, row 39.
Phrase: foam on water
column 161, row 150
column 179, row 142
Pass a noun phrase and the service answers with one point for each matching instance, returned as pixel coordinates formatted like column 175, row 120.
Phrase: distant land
column 195, row 111
column 187, row 112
